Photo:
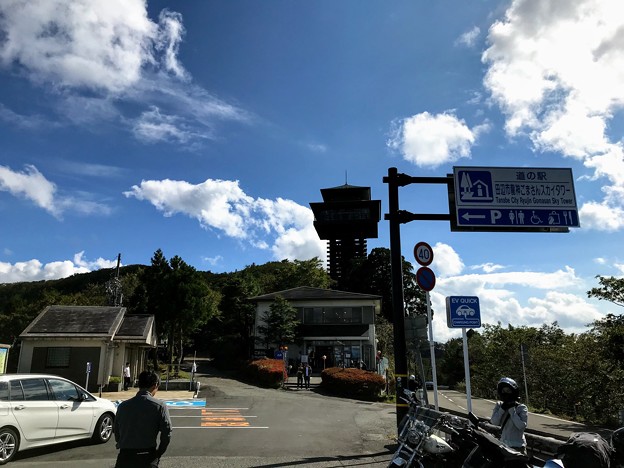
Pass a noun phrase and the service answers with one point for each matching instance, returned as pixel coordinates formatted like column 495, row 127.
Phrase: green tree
column 373, row 276
column 179, row 298
column 279, row 276
column 238, row 314
column 611, row 289
column 280, row 323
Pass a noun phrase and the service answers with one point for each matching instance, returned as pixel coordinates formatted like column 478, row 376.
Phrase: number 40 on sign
column 423, row 253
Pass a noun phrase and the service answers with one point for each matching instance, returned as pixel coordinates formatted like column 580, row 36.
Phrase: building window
column 57, row 357
column 332, row 315
column 313, row 315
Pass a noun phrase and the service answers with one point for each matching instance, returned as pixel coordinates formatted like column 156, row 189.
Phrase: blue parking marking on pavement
column 186, row 403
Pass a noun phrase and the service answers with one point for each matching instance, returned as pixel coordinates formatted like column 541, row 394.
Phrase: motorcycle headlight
column 417, row 432
column 414, row 436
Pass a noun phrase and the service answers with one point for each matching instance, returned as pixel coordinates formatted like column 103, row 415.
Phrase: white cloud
column 433, row 140
column 487, row 267
column 89, row 169
column 101, row 59
column 34, row 270
column 100, row 263
column 170, row 35
column 78, row 43
column 469, row 38
column 154, row 127
column 532, row 279
column 601, row 216
column 316, row 147
column 281, row 225
column 446, row 262
column 29, row 122
column 519, row 298
column 556, row 69
column 213, row 261
column 32, row 185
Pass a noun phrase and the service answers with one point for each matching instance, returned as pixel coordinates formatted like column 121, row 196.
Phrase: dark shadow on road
column 366, row 460
column 48, row 449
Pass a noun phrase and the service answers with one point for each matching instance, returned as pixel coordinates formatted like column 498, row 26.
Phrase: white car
column 40, row 409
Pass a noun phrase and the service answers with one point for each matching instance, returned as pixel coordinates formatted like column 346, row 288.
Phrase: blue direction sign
column 518, row 198
column 463, row 312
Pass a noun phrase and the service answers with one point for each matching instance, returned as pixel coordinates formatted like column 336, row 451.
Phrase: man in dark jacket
column 138, row 422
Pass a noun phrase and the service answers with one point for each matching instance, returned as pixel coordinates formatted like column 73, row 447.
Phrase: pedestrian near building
column 127, row 376
column 138, row 423
column 300, row 376
column 307, row 373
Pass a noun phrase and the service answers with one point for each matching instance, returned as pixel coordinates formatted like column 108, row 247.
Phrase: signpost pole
column 523, row 351
column 87, row 380
column 467, row 370
column 432, row 350
column 396, row 270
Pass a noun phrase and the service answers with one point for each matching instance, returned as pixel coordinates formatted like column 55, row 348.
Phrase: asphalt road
column 233, row 424
column 245, row 426
column 538, row 423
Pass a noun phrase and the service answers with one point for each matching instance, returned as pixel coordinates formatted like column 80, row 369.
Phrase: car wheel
column 103, row 429
column 9, row 444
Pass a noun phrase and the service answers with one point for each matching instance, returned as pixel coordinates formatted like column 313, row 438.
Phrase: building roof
column 59, row 321
column 307, row 292
column 71, row 321
column 135, row 325
column 138, row 329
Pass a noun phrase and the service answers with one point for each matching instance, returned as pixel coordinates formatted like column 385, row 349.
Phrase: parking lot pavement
column 161, row 395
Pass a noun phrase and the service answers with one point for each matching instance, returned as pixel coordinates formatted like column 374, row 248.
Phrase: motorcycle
column 435, row 439
column 419, row 436
column 489, row 452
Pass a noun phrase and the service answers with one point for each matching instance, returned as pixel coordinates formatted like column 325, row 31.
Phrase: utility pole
column 113, row 287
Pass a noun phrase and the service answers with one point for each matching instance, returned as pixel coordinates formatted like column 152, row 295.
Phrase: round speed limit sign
column 423, row 253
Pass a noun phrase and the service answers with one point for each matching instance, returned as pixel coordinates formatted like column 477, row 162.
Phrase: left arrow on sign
column 468, row 216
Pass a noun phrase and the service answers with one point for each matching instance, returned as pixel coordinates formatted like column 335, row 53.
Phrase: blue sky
column 205, row 129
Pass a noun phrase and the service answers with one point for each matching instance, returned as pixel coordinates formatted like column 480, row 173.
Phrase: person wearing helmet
column 412, row 384
column 510, row 415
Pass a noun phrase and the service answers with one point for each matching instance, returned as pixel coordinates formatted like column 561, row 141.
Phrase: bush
column 265, row 372
column 352, row 383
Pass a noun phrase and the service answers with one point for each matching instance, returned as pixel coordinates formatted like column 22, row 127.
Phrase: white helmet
column 412, row 377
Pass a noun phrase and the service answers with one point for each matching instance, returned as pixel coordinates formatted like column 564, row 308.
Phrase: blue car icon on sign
column 465, row 311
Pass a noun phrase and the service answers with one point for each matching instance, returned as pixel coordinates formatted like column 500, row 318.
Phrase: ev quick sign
column 463, row 312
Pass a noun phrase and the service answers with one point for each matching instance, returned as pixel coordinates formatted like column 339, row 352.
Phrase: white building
column 339, row 325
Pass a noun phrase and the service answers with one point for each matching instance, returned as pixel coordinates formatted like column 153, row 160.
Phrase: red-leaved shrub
column 266, row 372
column 353, row 383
